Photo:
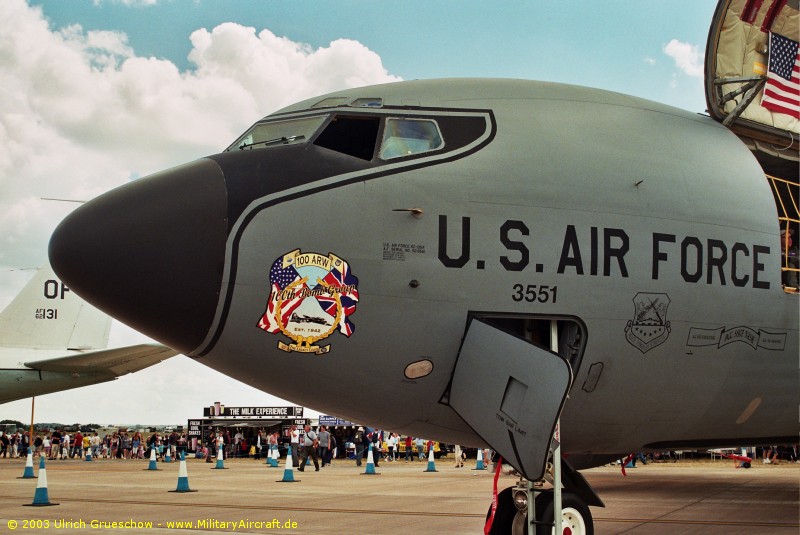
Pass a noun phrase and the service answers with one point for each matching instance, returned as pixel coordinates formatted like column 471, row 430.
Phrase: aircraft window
column 404, row 137
column 271, row 133
column 351, row 134
column 330, row 102
column 367, row 103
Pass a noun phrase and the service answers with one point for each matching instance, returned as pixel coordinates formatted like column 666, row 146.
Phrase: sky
column 96, row 93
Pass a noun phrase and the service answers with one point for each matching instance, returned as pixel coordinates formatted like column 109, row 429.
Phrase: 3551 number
column 533, row 293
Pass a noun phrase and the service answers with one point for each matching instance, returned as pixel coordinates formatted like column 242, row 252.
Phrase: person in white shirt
column 294, row 442
column 392, row 443
column 310, row 444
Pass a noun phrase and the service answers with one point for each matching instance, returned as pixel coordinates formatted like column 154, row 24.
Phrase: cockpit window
column 272, row 133
column 333, row 102
column 354, row 135
column 404, row 137
column 330, row 102
column 367, row 103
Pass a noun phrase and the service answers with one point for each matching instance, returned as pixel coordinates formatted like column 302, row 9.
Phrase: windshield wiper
column 282, row 139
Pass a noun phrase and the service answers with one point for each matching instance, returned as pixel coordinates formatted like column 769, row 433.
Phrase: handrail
column 785, row 193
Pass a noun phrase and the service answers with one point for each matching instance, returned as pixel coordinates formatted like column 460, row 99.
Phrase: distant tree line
column 47, row 426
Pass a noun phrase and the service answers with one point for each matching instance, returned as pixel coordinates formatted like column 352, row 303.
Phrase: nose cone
column 151, row 253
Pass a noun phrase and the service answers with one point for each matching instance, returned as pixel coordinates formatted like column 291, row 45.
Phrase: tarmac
column 123, row 496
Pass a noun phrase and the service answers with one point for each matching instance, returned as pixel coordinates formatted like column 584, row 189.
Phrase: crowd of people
column 770, row 455
column 60, row 444
column 13, row 444
column 320, row 446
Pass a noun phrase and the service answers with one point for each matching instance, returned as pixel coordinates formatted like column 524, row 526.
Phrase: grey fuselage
column 653, row 229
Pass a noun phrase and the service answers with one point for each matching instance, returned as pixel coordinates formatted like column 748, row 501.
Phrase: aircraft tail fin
column 47, row 315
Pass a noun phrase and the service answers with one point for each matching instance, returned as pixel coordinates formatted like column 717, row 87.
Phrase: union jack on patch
column 311, row 296
column 348, row 297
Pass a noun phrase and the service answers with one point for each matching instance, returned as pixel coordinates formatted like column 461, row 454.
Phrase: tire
column 575, row 514
column 505, row 513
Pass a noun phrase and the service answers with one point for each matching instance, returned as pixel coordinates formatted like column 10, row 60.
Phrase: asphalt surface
column 250, row 497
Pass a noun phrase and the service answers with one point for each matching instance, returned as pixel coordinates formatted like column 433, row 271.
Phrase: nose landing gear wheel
column 576, row 519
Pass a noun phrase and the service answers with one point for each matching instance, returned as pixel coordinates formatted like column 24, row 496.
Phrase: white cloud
column 81, row 112
column 274, row 71
column 688, row 58
column 650, row 61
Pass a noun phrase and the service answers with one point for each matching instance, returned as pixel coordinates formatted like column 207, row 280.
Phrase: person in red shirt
column 77, row 445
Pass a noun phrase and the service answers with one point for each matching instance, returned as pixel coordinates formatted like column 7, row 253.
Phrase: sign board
column 252, row 412
column 194, row 428
column 333, row 421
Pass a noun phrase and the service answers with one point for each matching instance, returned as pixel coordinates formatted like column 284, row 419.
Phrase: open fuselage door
column 751, row 78
column 511, row 393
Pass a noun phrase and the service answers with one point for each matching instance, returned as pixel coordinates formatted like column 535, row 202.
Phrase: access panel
column 511, row 393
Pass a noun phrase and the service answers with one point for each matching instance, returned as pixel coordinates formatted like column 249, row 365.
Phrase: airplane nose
column 151, row 253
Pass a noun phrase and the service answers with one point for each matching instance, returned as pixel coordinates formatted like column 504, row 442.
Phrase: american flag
column 340, row 277
column 782, row 90
column 280, row 277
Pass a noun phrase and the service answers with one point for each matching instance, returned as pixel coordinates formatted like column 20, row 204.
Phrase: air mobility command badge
column 649, row 327
column 311, row 296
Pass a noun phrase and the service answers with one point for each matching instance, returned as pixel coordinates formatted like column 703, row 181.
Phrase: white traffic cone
column 183, row 476
column 288, row 472
column 272, row 458
column 431, row 463
column 220, row 461
column 153, row 464
column 28, row 473
column 370, row 471
column 479, row 465
column 167, row 456
column 40, row 498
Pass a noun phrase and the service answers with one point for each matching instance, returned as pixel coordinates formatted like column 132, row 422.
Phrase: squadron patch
column 311, row 296
column 649, row 327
